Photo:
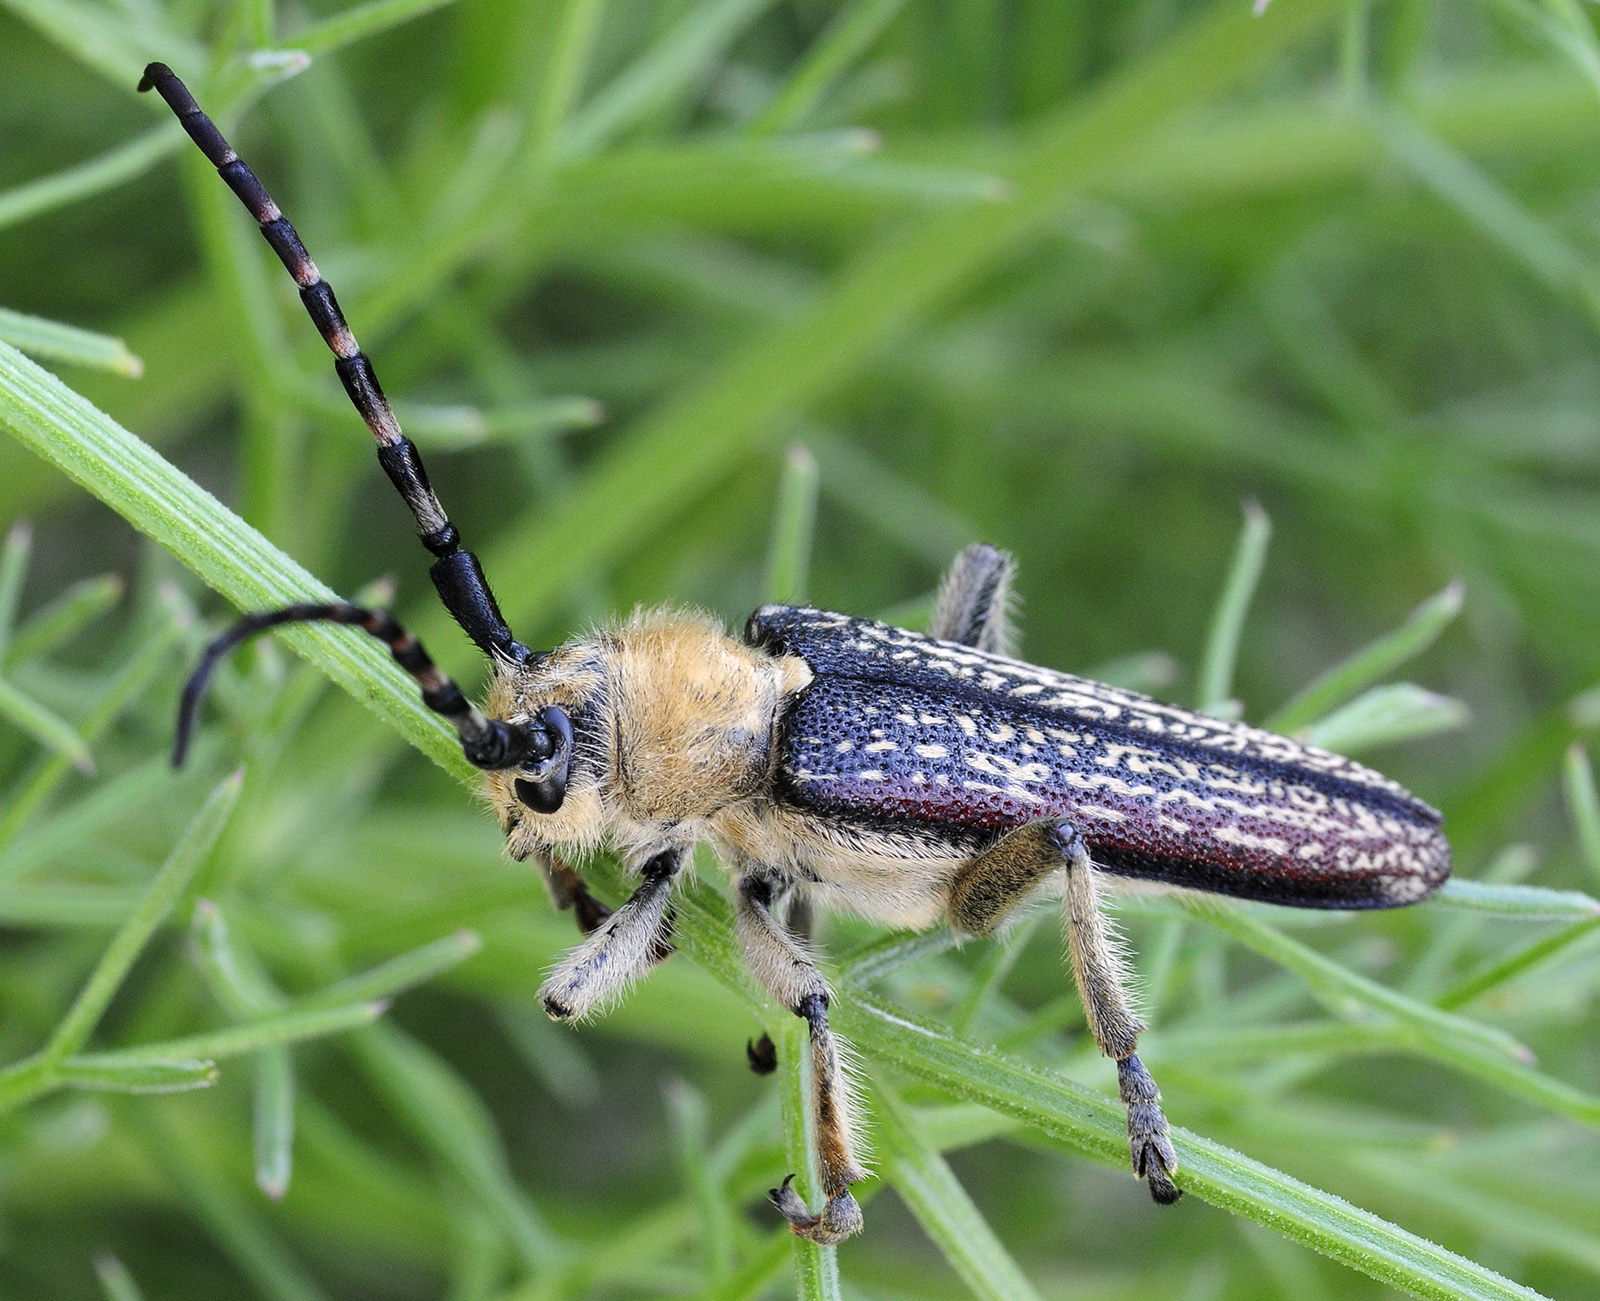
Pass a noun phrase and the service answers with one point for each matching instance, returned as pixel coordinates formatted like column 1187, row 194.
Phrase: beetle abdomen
column 1157, row 792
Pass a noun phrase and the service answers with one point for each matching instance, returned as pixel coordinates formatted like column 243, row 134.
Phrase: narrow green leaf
column 1583, row 804
column 1509, row 968
column 1372, row 662
column 1525, row 902
column 793, row 525
column 662, row 74
column 13, row 572
column 176, row 1075
column 357, row 23
column 848, row 36
column 686, row 1108
column 238, row 1229
column 44, row 727
column 66, row 903
column 226, row 552
column 60, row 620
column 1227, row 623
column 444, row 1113
column 115, row 1279
column 272, row 1133
column 127, row 684
column 1093, row 1123
column 1353, row 996
column 1517, row 232
column 947, row 1215
column 566, row 66
column 171, row 880
column 1384, row 716
column 56, row 342
column 230, row 971
column 401, row 973
column 69, row 830
column 289, row 1026
column 816, row 1269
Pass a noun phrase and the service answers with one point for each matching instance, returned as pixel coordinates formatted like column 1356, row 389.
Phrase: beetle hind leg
column 998, row 880
column 974, row 606
column 787, row 972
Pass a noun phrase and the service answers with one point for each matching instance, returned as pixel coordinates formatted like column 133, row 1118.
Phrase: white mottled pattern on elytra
column 1096, row 701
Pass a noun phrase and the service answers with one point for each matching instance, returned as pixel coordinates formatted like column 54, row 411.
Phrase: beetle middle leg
column 999, row 879
column 791, row 977
column 974, row 600
column 623, row 947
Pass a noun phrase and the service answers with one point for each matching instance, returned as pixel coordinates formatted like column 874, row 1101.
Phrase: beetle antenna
column 456, row 572
column 489, row 743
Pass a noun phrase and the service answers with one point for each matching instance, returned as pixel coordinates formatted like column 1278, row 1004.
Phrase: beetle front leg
column 569, row 890
column 623, row 947
column 1001, row 878
column 789, row 975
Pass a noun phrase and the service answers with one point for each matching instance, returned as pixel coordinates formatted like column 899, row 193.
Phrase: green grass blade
column 56, row 342
column 447, row 1117
column 1093, row 1123
column 1583, row 803
column 660, row 75
column 230, row 971
column 1385, row 715
column 566, row 67
column 1508, row 969
column 272, row 1133
column 46, row 728
column 793, row 526
column 139, row 484
column 127, row 685
column 157, row 1076
column 947, row 1215
column 170, row 882
column 687, row 1112
column 289, row 1026
column 1215, row 688
column 400, row 973
column 1374, row 661
column 816, row 1269
column 63, row 618
column 65, row 903
column 357, row 23
column 13, row 573
column 848, row 36
column 1352, row 996
column 1525, row 902
column 114, row 1278
column 254, row 1247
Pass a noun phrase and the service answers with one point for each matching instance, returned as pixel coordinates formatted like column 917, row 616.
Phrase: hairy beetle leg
column 569, row 890
column 623, row 947
column 995, row 883
column 789, row 975
column 1153, row 1158
column 841, row 1216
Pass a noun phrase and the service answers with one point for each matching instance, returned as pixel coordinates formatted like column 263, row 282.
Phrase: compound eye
column 543, row 786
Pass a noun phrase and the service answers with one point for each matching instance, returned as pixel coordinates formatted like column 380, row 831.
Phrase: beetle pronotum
column 910, row 779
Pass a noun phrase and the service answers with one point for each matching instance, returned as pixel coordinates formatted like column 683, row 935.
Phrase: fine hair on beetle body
column 914, row 780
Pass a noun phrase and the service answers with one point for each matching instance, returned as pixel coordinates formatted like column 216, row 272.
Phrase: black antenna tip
column 153, row 72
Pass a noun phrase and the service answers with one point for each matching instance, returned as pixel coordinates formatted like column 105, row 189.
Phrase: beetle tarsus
column 762, row 1055
column 1154, row 1159
column 841, row 1215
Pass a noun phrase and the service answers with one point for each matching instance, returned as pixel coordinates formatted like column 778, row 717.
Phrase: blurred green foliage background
column 1072, row 276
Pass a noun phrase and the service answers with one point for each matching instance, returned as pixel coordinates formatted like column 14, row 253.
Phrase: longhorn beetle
column 909, row 779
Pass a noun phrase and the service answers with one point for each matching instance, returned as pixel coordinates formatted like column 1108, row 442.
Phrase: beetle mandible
column 909, row 779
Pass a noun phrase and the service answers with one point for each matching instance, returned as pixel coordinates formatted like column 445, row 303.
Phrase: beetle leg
column 974, row 600
column 1001, row 878
column 624, row 946
column 568, row 890
column 790, row 976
